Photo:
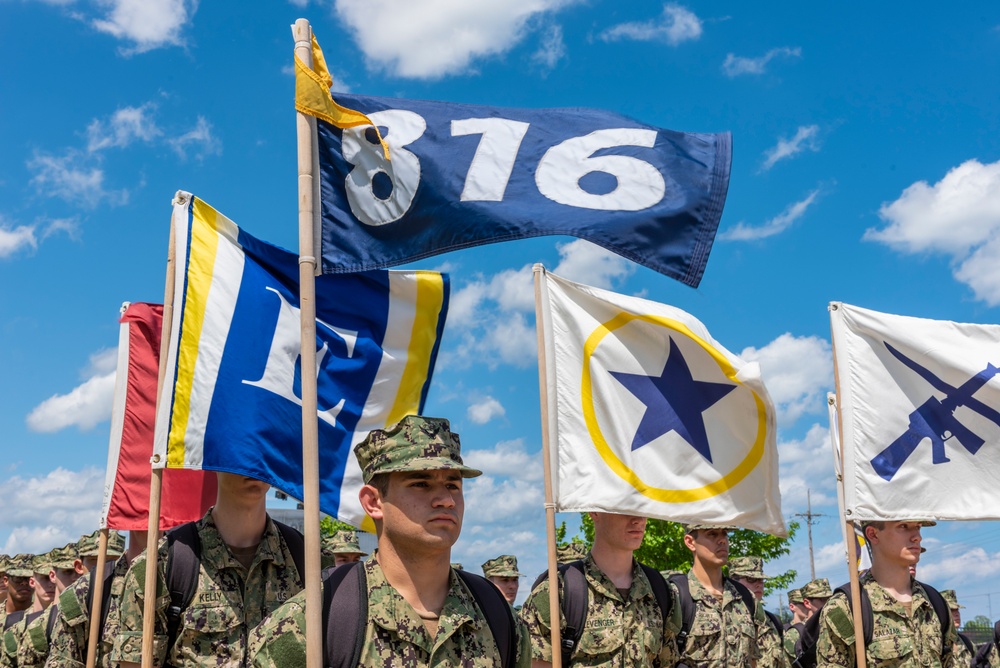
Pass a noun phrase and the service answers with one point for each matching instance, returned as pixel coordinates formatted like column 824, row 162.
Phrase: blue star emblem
column 674, row 402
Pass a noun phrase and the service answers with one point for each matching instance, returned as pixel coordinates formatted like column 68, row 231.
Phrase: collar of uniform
column 603, row 584
column 883, row 601
column 699, row 592
column 388, row 609
column 215, row 551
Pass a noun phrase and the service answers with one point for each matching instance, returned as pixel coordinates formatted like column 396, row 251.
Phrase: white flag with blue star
column 919, row 407
column 649, row 415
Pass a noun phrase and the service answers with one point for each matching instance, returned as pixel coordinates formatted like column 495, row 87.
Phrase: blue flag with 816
column 465, row 175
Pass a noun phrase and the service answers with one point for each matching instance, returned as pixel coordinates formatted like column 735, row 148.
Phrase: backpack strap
column 661, row 591
column 776, row 623
column 499, row 615
column 573, row 603
column 969, row 645
column 183, row 565
column 867, row 621
column 345, row 615
column 12, row 618
column 943, row 614
column 296, row 545
column 51, row 624
column 688, row 610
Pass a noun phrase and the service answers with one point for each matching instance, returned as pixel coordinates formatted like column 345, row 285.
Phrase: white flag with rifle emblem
column 920, row 412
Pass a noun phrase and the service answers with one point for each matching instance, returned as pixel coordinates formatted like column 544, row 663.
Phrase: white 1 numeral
column 493, row 162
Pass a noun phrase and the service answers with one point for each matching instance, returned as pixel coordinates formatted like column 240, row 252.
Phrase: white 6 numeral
column 640, row 184
column 403, row 171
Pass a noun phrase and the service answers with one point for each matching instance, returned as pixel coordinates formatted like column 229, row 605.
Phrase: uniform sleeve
column 65, row 648
column 535, row 614
column 835, row 646
column 280, row 640
column 32, row 647
column 523, row 644
column 669, row 656
column 950, row 640
column 128, row 644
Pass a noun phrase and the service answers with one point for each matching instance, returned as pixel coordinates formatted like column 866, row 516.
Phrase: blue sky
column 866, row 169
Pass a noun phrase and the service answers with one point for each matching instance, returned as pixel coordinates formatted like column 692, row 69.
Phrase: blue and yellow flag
column 232, row 394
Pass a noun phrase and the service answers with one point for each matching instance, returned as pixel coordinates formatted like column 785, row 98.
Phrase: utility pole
column 809, row 515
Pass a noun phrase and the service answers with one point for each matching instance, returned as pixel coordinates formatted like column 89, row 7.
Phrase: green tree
column 663, row 548
column 329, row 526
column 979, row 622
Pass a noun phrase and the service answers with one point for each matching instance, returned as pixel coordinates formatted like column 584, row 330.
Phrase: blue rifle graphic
column 935, row 419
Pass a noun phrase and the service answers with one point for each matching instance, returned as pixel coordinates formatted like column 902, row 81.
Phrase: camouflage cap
column 90, row 545
column 41, row 564
column 818, row 588
column 573, row 551
column 923, row 523
column 4, row 562
column 64, row 558
column 951, row 597
column 747, row 567
column 688, row 528
column 457, row 565
column 795, row 596
column 415, row 443
column 504, row 566
column 116, row 544
column 343, row 542
column 20, row 566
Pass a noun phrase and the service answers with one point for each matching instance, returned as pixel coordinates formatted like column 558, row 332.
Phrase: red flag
column 186, row 495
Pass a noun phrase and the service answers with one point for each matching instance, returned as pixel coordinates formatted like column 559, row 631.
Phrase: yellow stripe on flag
column 203, row 245
column 313, row 97
column 430, row 300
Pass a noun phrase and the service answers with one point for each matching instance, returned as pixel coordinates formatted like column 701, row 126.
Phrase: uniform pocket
column 890, row 650
column 209, row 630
column 601, row 637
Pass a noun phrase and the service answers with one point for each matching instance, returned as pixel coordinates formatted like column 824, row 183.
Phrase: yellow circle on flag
column 715, row 488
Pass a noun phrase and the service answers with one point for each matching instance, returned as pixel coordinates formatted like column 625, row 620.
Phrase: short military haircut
column 380, row 481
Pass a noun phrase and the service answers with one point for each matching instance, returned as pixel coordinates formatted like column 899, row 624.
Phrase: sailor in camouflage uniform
column 344, row 548
column 964, row 649
column 503, row 573
column 420, row 613
column 906, row 632
column 724, row 631
column 71, row 628
column 749, row 571
column 574, row 551
column 4, row 562
column 43, row 594
column 624, row 624
column 18, row 579
column 793, row 629
column 246, row 572
column 32, row 645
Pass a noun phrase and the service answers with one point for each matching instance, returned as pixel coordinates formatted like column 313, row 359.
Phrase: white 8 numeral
column 403, row 171
column 640, row 184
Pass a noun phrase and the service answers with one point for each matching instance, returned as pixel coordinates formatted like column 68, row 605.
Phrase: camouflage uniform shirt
column 772, row 651
column 8, row 644
column 394, row 633
column 963, row 657
column 71, row 633
column 792, row 635
column 32, row 646
column 619, row 631
column 229, row 600
column 723, row 633
column 899, row 640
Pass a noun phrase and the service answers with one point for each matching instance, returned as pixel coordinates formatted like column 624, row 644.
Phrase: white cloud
column 485, row 410
column 797, row 371
column 428, row 40
column 736, row 65
column 805, row 139
column 743, row 232
column 125, row 126
column 551, row 50
column 71, row 178
column 84, row 406
column 507, row 458
column 973, row 565
column 959, row 216
column 589, row 263
column 148, row 24
column 14, row 239
column 806, row 470
column 199, row 138
column 677, row 24
column 51, row 510
column 506, row 503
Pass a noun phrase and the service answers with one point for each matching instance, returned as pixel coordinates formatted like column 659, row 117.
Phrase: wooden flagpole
column 97, row 586
column 156, row 477
column 550, row 506
column 306, row 133
column 849, row 540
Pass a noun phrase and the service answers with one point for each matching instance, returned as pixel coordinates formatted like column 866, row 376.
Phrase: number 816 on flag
column 382, row 191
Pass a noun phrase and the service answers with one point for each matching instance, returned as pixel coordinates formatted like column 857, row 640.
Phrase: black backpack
column 689, row 609
column 574, row 601
column 184, row 564
column 345, row 614
column 982, row 658
column 809, row 636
